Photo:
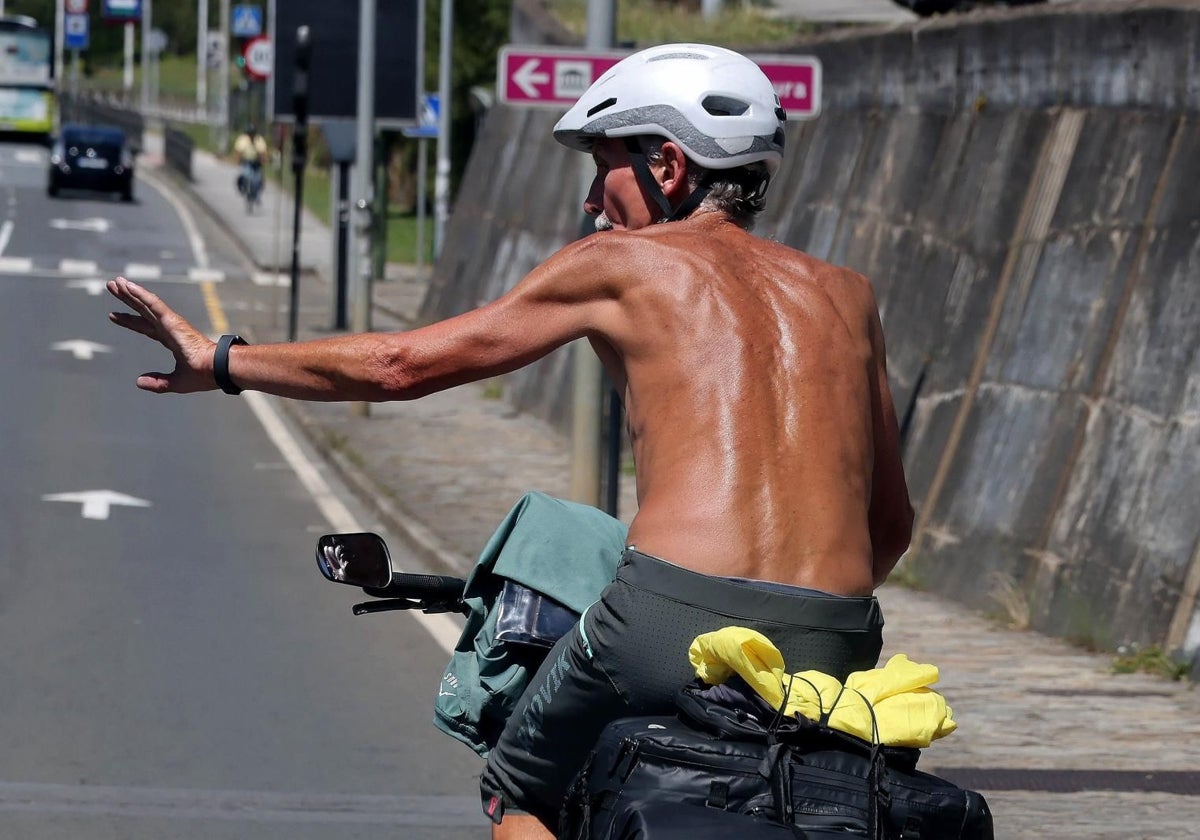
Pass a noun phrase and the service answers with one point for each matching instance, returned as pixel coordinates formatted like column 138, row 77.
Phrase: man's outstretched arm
column 554, row 304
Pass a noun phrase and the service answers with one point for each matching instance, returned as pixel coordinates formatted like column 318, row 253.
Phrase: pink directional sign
column 555, row 78
column 797, row 81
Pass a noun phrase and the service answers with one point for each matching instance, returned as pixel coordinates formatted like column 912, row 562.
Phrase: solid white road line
column 445, row 630
column 199, row 252
column 6, row 230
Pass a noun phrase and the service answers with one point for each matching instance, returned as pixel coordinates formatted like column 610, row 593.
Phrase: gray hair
column 739, row 193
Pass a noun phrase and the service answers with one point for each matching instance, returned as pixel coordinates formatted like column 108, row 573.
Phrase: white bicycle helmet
column 716, row 104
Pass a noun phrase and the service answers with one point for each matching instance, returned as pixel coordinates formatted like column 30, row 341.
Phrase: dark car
column 91, row 157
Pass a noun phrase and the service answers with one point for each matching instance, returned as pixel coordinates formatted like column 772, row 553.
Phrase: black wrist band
column 221, row 363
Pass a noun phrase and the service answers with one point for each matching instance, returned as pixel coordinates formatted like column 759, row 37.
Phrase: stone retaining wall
column 1023, row 188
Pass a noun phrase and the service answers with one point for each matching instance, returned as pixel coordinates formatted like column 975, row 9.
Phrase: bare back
column 751, row 377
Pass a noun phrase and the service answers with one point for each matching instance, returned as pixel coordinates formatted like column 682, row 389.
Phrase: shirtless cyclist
column 770, row 488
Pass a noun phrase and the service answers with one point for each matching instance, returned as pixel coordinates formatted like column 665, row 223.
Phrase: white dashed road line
column 78, row 268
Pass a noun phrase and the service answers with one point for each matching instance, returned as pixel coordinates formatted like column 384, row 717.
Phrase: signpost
column 555, row 78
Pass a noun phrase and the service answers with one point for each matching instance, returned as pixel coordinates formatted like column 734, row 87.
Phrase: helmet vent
column 607, row 103
column 693, row 56
column 724, row 106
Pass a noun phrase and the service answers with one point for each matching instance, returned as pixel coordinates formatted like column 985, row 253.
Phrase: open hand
column 192, row 350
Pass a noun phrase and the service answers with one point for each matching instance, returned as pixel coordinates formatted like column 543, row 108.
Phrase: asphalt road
column 172, row 663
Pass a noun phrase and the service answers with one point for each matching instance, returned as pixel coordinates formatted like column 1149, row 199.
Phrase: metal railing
column 177, row 150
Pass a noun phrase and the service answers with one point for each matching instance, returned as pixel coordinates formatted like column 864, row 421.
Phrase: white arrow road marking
column 81, row 348
column 96, row 503
column 527, row 77
column 6, row 230
column 94, row 285
column 77, row 266
column 94, row 224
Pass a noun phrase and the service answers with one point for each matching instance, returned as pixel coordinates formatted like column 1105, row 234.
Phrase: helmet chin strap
column 641, row 169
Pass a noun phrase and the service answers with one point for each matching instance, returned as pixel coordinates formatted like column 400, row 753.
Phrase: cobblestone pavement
column 1060, row 745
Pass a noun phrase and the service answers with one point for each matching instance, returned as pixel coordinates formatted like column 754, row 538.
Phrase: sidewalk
column 1060, row 746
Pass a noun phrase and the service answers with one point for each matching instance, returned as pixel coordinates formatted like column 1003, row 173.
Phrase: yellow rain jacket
column 892, row 705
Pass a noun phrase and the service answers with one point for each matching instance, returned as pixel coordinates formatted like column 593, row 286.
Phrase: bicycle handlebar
column 410, row 591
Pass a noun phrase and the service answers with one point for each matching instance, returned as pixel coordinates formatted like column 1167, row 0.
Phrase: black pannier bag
column 727, row 758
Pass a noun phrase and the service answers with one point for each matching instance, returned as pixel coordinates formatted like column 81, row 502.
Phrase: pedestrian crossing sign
column 246, row 21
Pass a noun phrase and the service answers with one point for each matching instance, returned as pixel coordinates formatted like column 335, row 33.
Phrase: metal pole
column 127, row 78
column 59, row 33
column 379, row 177
column 364, row 155
column 422, row 183
column 269, row 93
column 364, row 176
column 202, row 56
column 441, row 180
column 147, row 22
column 710, row 9
column 299, row 158
column 601, row 24
column 223, row 82
column 587, row 444
column 74, row 73
column 342, row 204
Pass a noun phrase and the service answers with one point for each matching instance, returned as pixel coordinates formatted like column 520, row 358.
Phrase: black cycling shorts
column 628, row 655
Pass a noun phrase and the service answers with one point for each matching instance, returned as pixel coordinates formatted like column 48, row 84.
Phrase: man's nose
column 593, row 204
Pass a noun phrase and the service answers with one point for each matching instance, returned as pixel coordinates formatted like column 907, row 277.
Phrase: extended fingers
column 137, row 298
column 133, row 322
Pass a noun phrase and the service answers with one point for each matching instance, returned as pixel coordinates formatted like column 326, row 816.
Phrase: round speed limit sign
column 259, row 57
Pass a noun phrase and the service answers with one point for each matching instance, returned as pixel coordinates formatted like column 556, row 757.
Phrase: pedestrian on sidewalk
column 771, row 492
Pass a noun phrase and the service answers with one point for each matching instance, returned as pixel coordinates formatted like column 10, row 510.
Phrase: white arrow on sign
column 527, row 78
column 81, row 348
column 94, row 285
column 96, row 502
column 96, row 225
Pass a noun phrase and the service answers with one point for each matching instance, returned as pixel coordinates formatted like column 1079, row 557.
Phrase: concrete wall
column 1024, row 190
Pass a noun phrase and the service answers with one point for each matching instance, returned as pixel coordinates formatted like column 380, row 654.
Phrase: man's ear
column 674, row 172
